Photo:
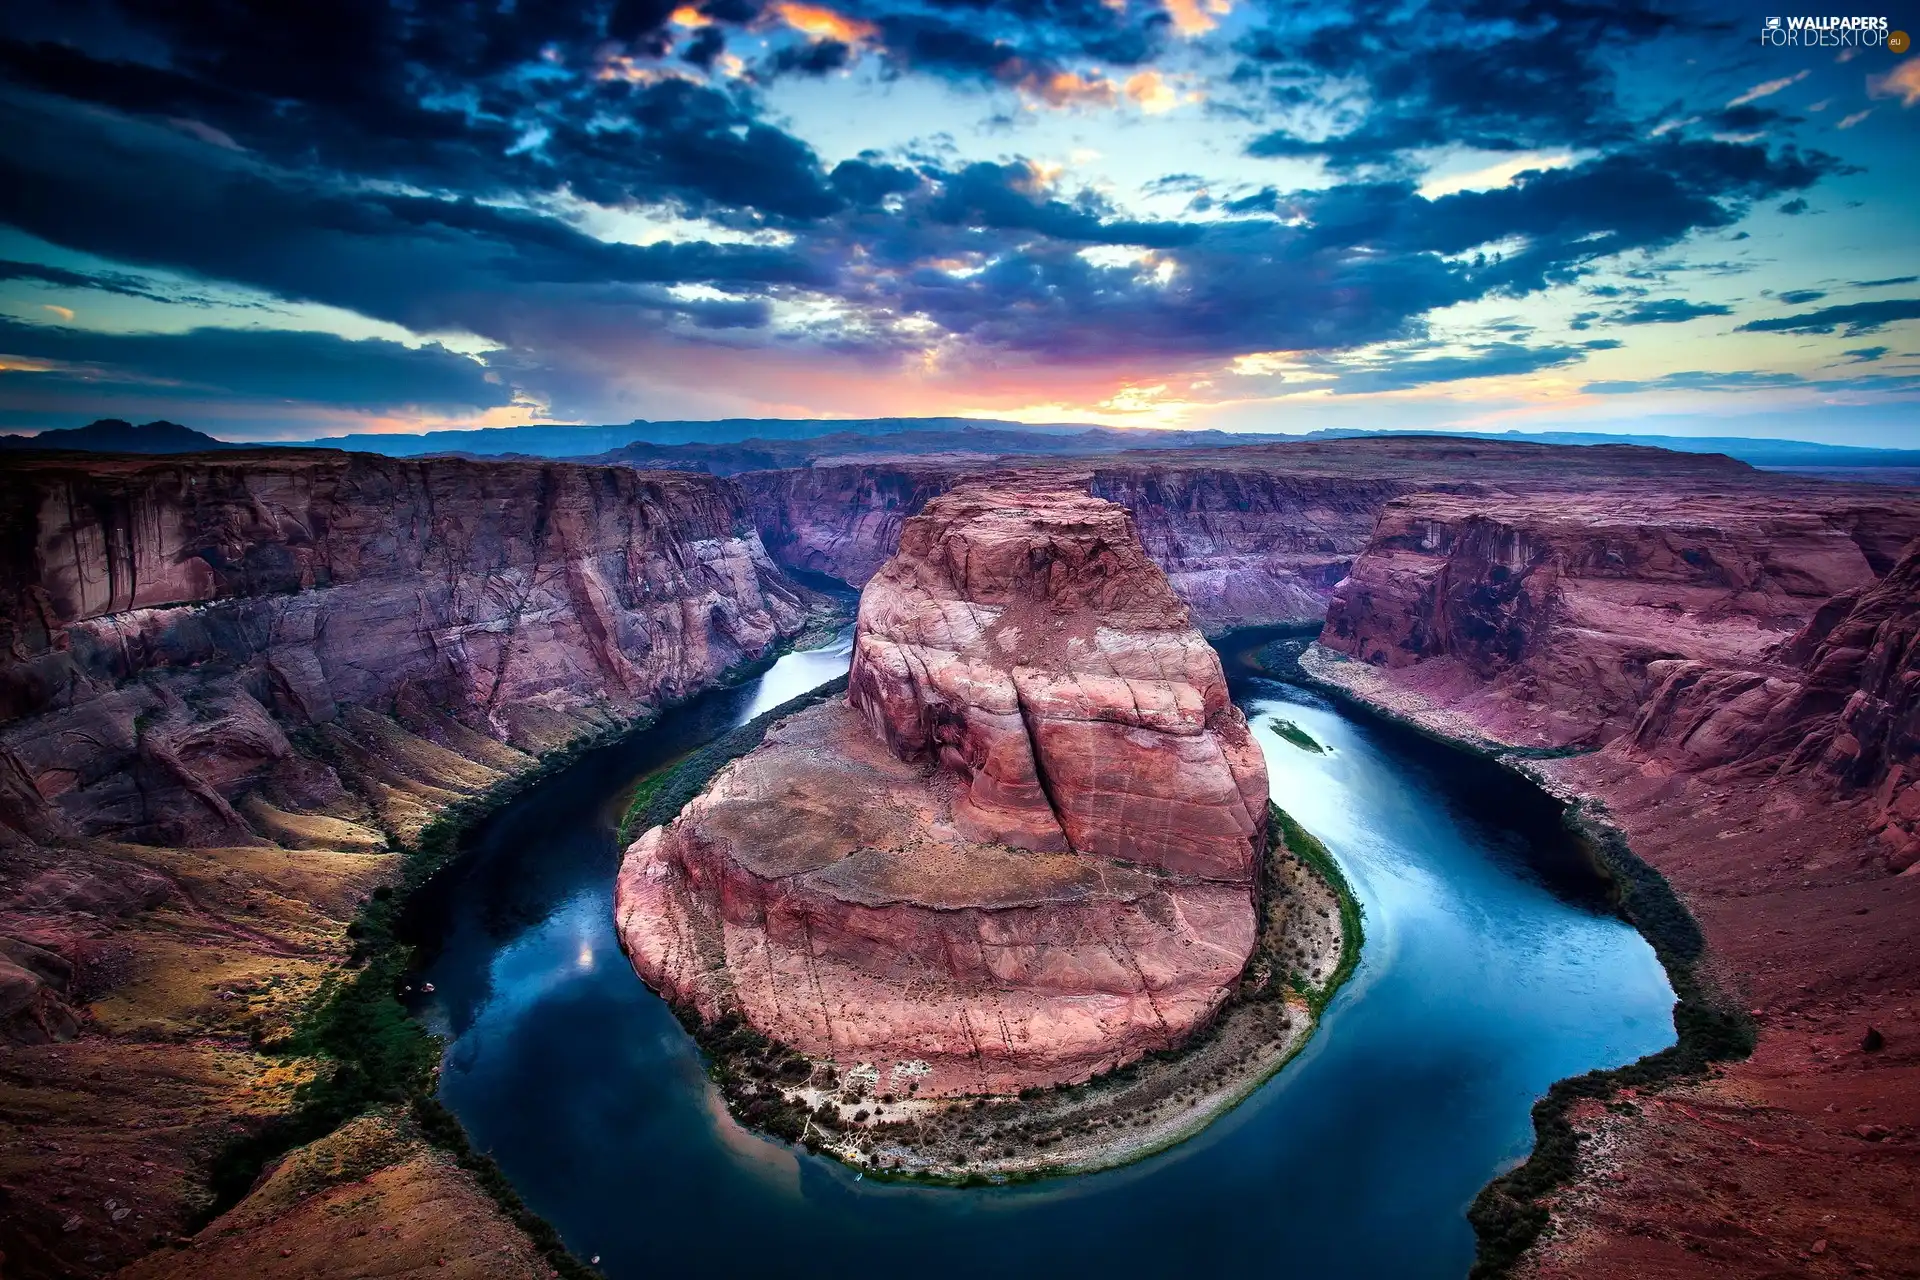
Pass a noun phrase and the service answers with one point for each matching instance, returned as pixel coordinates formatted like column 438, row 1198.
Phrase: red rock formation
column 1842, row 706
column 1022, row 853
column 228, row 685
column 841, row 521
column 1023, row 639
column 1548, row 618
column 165, row 619
column 1755, row 682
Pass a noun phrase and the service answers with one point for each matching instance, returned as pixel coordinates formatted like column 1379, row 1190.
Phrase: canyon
column 1733, row 685
column 1023, row 850
column 1254, row 535
column 237, row 688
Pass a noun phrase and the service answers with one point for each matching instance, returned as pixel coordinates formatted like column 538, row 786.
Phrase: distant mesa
column 731, row 446
column 1022, row 851
column 116, row 435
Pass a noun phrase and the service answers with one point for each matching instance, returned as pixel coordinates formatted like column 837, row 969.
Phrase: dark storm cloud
column 140, row 195
column 1801, row 297
column 264, row 364
column 432, row 94
column 707, row 45
column 815, row 58
column 1354, row 264
column 1854, row 319
column 1501, row 75
column 994, row 196
column 867, row 181
column 1865, row 355
column 117, row 282
column 1009, row 40
column 405, row 159
column 704, row 148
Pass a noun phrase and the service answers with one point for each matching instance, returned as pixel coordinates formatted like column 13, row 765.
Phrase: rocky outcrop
column 1551, row 619
column 168, row 624
column 1240, row 547
column 1841, row 706
column 1022, row 851
column 1249, row 546
column 1023, row 640
column 842, row 521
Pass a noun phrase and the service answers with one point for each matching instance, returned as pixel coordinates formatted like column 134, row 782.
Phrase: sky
column 285, row 220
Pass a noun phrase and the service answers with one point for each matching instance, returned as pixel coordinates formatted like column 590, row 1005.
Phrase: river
column 1491, row 969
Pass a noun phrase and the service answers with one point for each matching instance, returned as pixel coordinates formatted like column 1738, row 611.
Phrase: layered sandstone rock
column 1841, row 706
column 1745, row 664
column 1547, row 618
column 1023, row 851
column 1253, row 535
column 230, row 686
column 167, row 623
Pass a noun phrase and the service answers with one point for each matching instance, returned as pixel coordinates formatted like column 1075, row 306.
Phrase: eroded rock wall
column 1548, row 616
column 1023, row 640
column 1738, row 672
column 167, row 624
column 229, row 688
column 1242, row 547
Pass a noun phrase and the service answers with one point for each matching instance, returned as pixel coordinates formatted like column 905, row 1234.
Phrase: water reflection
column 1485, row 978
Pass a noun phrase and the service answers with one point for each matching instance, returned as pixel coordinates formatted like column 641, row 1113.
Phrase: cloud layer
column 613, row 195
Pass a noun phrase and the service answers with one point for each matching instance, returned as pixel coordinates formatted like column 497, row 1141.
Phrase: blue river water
column 1491, row 969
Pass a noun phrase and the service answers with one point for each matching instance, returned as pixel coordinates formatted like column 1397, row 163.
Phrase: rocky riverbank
column 244, row 694
column 1743, row 723
column 1029, row 849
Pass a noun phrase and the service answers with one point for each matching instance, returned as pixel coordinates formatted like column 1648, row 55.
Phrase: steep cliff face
column 1550, row 617
column 228, row 686
column 1745, row 662
column 1021, row 852
column 1249, row 536
column 1841, row 705
column 1242, row 547
column 1023, row 640
column 169, row 623
column 841, row 521
column 1254, row 546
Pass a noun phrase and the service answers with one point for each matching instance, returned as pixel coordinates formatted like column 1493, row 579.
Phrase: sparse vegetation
column 1123, row 1114
column 1509, row 1214
column 1293, row 733
column 1308, row 849
column 663, row 794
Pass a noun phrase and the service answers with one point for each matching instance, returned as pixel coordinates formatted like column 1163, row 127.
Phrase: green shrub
column 1293, row 733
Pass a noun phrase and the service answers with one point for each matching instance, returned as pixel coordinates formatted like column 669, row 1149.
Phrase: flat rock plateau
column 1025, row 850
